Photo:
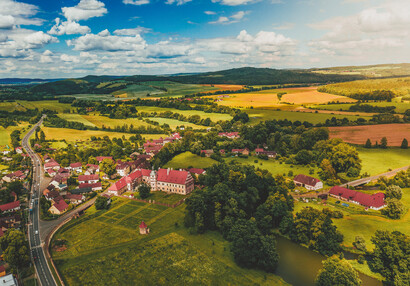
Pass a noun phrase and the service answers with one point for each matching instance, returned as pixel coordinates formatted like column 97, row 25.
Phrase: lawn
column 258, row 115
column 174, row 123
column 72, row 135
column 353, row 225
column 378, row 161
column 274, row 166
column 187, row 159
column 58, row 145
column 76, row 118
column 213, row 116
column 109, row 246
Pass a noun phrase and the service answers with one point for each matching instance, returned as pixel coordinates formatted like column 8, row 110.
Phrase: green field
column 378, row 161
column 274, row 166
column 137, row 91
column 105, row 248
column 177, row 89
column 187, row 159
column 101, row 121
column 258, row 115
column 401, row 107
column 47, row 104
column 72, row 135
column 353, row 225
column 76, row 118
column 213, row 116
column 173, row 123
column 5, row 133
column 11, row 106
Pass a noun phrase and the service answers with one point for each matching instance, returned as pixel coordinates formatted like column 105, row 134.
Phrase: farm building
column 51, row 164
column 308, row 182
column 261, row 151
column 374, row 201
column 76, row 167
column 207, row 153
column 244, row 152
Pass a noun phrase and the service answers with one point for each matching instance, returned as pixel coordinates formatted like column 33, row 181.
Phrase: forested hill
column 263, row 76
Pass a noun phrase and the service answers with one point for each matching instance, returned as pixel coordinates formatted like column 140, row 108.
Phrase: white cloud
column 210, row 13
column 14, row 13
column 234, row 2
column 68, row 28
column 86, row 9
column 132, row 31
column 7, row 22
column 69, row 58
column 235, row 18
column 284, row 26
column 136, row 2
column 178, row 2
column 104, row 41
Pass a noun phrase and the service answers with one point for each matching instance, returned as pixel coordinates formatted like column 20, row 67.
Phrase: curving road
column 37, row 252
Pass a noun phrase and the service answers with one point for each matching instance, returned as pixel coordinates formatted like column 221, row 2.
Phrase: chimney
column 168, row 171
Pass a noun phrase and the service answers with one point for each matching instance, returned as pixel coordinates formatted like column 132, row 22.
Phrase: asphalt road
column 372, row 178
column 37, row 253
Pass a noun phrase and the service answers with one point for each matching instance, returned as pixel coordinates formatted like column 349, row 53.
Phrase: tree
column 42, row 136
column 337, row 272
column 404, row 144
column 16, row 186
column 394, row 192
column 327, row 173
column 359, row 243
column 15, row 248
column 391, row 256
column 144, row 190
column 383, row 143
column 368, row 144
column 344, row 157
column 108, row 167
column 101, row 203
column 394, row 209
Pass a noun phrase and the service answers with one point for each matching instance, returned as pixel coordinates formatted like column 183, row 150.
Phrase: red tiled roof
column 9, row 206
column 208, row 151
column 2, row 268
column 51, row 164
column 61, row 205
column 172, row 176
column 122, row 183
column 100, row 158
column 259, row 150
column 77, row 197
column 51, row 171
column 92, row 186
column 196, row 171
column 153, row 148
column 88, row 177
column 375, row 200
column 229, row 134
column 306, row 180
column 93, row 166
column 76, row 165
column 145, row 172
column 143, row 225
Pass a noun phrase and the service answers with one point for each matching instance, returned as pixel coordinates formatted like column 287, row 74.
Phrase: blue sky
column 71, row 38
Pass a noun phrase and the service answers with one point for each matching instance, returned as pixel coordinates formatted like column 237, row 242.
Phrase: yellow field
column 269, row 98
column 5, row 133
column 173, row 123
column 72, row 135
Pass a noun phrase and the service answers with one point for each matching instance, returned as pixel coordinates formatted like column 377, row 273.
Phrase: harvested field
column 395, row 133
column 269, row 98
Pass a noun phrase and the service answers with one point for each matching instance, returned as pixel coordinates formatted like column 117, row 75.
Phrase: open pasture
column 395, row 133
column 5, row 134
column 47, row 104
column 187, row 159
column 76, row 118
column 257, row 115
column 108, row 244
column 101, row 121
column 11, row 106
column 378, row 161
column 174, row 123
column 73, row 135
column 213, row 116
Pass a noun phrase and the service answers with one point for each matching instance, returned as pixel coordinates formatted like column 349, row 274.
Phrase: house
column 75, row 198
column 58, row 207
column 374, row 201
column 93, row 169
column 172, row 181
column 76, row 167
column 127, row 183
column 51, row 172
column 222, row 152
column 153, row 150
column 81, row 190
column 197, row 171
column 46, row 158
column 8, row 280
column 58, row 180
column 101, row 158
column 143, row 228
column 308, row 182
column 207, row 153
column 63, row 172
column 261, row 151
column 90, row 179
column 123, row 169
column 51, row 164
column 12, row 221
column 18, row 175
column 51, row 195
column 10, row 207
column 19, row 150
column 230, row 135
column 244, row 152
column 95, row 187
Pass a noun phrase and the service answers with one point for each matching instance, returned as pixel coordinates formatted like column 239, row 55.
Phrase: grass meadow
column 174, row 123
column 73, row 135
column 378, row 161
column 47, row 104
column 101, row 121
column 5, row 133
column 187, row 159
column 202, row 114
column 105, row 248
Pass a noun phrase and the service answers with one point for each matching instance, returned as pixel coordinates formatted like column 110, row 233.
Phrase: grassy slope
column 76, row 118
column 99, row 121
column 5, row 133
column 188, row 159
column 72, row 135
column 46, row 104
column 257, row 115
column 212, row 116
column 378, row 161
column 113, row 251
column 353, row 225
column 173, row 123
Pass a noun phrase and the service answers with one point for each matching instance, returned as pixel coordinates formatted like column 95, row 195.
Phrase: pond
column 299, row 266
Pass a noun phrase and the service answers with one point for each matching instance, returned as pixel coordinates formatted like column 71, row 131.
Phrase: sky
column 74, row 38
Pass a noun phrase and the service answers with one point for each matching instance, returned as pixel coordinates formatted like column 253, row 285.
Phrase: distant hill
column 25, row 80
column 372, row 71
